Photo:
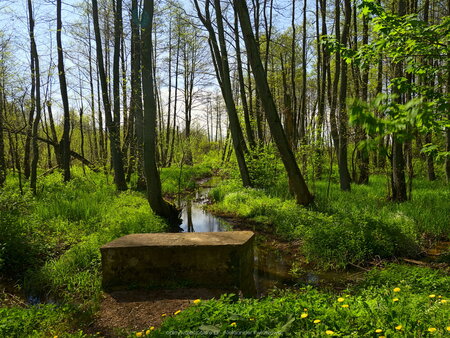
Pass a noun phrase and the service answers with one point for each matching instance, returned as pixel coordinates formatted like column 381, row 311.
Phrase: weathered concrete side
column 209, row 259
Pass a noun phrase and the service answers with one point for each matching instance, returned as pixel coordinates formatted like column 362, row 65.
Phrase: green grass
column 52, row 242
column 345, row 228
column 358, row 312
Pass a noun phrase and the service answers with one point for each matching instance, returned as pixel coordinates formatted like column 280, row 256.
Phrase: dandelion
column 395, row 300
column 399, row 327
column 233, row 324
column 138, row 334
column 329, row 332
column 340, row 299
column 432, row 329
column 303, row 315
column 443, row 301
column 439, row 296
column 317, row 321
column 396, row 289
column 164, row 314
column 448, row 328
column 381, row 336
column 378, row 330
column 197, row 301
column 177, row 312
column 432, row 296
column 252, row 319
column 305, row 309
column 147, row 332
column 345, row 306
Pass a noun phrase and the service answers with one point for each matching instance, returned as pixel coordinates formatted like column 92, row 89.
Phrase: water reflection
column 195, row 219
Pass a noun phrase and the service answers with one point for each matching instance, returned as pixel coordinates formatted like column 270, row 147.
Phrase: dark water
column 273, row 268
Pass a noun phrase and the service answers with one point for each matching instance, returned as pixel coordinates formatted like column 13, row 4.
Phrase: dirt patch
column 122, row 312
column 10, row 294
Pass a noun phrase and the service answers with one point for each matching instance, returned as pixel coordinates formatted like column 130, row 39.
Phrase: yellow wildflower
column 152, row 328
column 305, row 309
column 197, row 301
column 303, row 315
column 439, row 296
column 317, row 321
column 177, row 312
column 395, row 300
column 147, row 332
column 329, row 332
column 432, row 329
column 345, row 305
column 233, row 324
column 396, row 289
column 399, row 327
column 378, row 330
column 381, row 336
column 443, row 301
column 432, row 296
column 138, row 334
column 340, row 299
column 252, row 319
column 448, row 328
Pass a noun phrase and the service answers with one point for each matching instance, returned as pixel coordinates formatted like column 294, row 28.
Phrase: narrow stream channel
column 272, row 266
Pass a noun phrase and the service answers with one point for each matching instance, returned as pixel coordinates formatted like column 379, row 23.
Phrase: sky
column 14, row 24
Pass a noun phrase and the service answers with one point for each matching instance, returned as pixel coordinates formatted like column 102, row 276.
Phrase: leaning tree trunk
column 220, row 57
column 65, row 141
column 154, row 193
column 296, row 181
column 114, row 137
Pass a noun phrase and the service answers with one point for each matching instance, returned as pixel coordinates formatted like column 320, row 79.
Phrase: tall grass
column 345, row 227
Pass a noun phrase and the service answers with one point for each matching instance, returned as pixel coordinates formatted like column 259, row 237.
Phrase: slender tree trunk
column 296, row 181
column 248, row 125
column 114, row 136
column 154, row 193
column 363, row 154
column 302, row 117
column 398, row 161
column 91, row 86
column 37, row 77
column 344, row 174
column 2, row 143
column 220, row 55
column 65, row 141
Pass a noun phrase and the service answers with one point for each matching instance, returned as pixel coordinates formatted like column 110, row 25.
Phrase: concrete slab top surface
column 228, row 238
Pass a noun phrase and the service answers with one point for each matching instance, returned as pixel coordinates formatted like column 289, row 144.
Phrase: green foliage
column 311, row 313
column 56, row 238
column 264, row 167
column 33, row 321
column 345, row 228
column 176, row 180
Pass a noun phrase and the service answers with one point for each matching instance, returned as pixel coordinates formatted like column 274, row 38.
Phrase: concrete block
column 172, row 260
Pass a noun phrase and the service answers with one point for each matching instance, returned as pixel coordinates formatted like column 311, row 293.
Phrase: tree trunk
column 296, row 181
column 398, row 161
column 248, row 126
column 154, row 193
column 65, row 141
column 2, row 144
column 114, row 137
column 220, row 55
column 37, row 79
column 344, row 174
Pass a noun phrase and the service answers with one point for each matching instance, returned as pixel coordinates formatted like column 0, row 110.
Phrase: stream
column 273, row 267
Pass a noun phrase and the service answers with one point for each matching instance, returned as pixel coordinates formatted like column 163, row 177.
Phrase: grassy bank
column 344, row 228
column 50, row 244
